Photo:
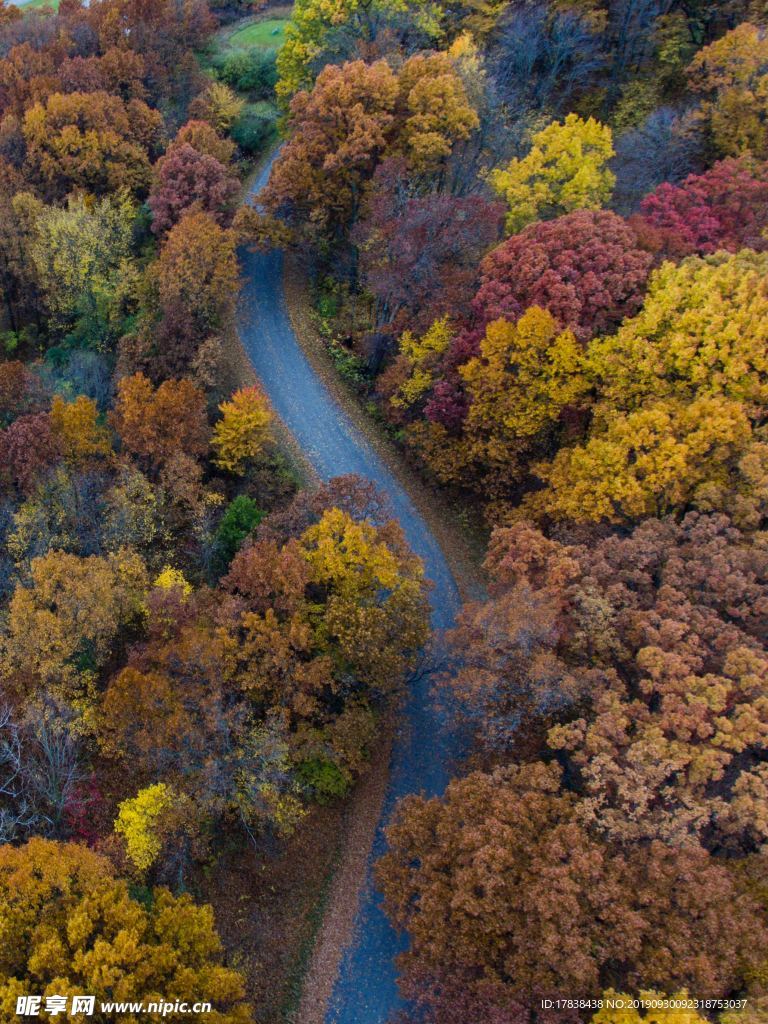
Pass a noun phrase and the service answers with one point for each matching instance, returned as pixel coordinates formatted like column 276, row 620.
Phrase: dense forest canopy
column 535, row 234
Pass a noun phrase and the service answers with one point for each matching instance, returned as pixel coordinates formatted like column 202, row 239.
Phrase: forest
column 531, row 241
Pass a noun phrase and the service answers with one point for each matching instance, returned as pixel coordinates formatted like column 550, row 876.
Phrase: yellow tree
column 139, row 821
column 375, row 615
column 646, row 463
column 417, row 361
column 243, row 430
column 77, row 426
column 92, row 141
column 70, row 927
column 219, row 106
column 526, row 374
column 435, row 109
column 732, row 75
column 66, row 619
column 566, row 169
column 81, row 258
column 703, row 330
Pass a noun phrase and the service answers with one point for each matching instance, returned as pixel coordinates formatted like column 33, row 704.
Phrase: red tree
column 27, row 448
column 187, row 178
column 420, row 253
column 586, row 268
column 724, row 208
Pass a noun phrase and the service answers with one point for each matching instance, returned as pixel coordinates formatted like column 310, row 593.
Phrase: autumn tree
column 218, row 105
column 164, row 36
column 512, row 674
column 81, row 255
column 354, row 116
column 565, row 170
column 76, row 424
column 93, row 141
column 731, row 75
column 498, row 869
column 186, row 178
column 413, row 373
column 156, row 423
column 351, row 493
column 240, row 435
column 118, row 71
column 512, row 403
column 434, row 111
column 204, row 138
column 22, row 392
column 48, row 887
column 640, row 659
column 375, row 608
column 197, row 270
column 140, row 821
column 701, row 332
column 312, row 24
column 371, row 616
column 29, row 448
column 171, row 717
column 669, row 455
column 419, row 254
column 64, row 622
column 586, row 268
column 18, row 279
column 726, row 207
column 340, row 131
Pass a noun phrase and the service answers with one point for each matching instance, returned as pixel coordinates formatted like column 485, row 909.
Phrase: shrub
column 252, row 71
column 252, row 130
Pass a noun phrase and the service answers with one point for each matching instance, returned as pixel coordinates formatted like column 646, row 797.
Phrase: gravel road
column 365, row 991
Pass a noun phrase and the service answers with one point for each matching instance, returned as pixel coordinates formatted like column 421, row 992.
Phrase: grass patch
column 40, row 3
column 269, row 34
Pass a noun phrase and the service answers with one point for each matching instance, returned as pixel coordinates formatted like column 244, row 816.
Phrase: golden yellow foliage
column 525, row 375
column 139, row 822
column 437, row 110
column 645, row 463
column 375, row 614
column 732, row 73
column 566, row 169
column 70, row 927
column 703, row 330
column 627, row 1014
column 173, row 579
column 66, row 619
column 243, row 430
column 77, row 425
column 421, row 353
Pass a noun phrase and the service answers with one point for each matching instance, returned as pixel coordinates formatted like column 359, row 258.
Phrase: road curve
column 365, row 991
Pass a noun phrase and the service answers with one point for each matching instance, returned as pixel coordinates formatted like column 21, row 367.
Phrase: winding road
column 365, row 991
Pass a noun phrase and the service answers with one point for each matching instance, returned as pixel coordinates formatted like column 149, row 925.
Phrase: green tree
column 241, row 516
